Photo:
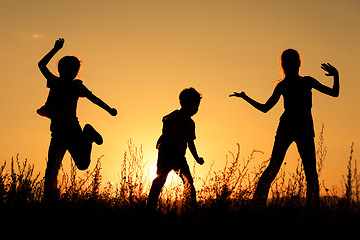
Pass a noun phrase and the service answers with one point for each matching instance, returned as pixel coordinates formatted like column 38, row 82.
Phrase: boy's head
column 68, row 67
column 190, row 100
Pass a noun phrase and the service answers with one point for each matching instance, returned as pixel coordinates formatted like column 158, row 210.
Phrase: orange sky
column 138, row 55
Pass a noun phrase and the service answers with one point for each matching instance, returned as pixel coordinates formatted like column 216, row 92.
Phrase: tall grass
column 229, row 189
column 20, row 185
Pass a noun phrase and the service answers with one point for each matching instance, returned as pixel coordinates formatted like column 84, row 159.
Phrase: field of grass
column 224, row 200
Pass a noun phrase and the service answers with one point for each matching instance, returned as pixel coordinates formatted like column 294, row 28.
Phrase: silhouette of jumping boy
column 60, row 107
column 178, row 132
column 296, row 123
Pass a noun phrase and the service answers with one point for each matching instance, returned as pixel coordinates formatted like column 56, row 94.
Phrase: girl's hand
column 332, row 71
column 59, row 44
column 236, row 94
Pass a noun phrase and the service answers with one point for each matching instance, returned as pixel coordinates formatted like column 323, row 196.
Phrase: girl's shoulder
column 308, row 78
column 301, row 81
column 309, row 81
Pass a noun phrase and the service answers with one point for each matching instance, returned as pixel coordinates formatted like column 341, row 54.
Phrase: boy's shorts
column 70, row 136
column 66, row 132
column 168, row 161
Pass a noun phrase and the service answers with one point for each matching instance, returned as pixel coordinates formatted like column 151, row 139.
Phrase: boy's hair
column 69, row 66
column 189, row 96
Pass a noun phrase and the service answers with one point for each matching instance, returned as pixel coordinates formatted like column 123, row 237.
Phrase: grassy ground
column 87, row 206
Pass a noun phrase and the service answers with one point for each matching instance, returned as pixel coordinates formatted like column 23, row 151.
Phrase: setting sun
column 153, row 86
column 137, row 56
column 152, row 172
column 172, row 177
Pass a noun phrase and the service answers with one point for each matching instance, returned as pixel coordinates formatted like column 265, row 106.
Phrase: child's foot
column 93, row 134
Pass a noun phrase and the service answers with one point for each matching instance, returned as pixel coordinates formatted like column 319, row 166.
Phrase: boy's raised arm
column 46, row 59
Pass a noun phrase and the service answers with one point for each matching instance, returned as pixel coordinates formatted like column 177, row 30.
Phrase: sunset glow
column 138, row 55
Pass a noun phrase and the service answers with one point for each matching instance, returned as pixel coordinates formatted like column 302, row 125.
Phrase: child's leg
column 81, row 144
column 156, row 187
column 282, row 143
column 92, row 134
column 306, row 147
column 56, row 153
column 189, row 189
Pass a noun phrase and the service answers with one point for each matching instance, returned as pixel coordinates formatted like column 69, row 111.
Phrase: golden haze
column 139, row 55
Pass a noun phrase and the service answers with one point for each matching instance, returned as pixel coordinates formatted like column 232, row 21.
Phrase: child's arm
column 193, row 151
column 46, row 59
column 331, row 71
column 94, row 99
column 270, row 103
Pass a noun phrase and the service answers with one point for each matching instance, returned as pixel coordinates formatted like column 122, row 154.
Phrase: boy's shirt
column 178, row 130
column 62, row 100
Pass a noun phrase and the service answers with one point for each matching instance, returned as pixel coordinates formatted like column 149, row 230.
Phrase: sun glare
column 172, row 176
column 152, row 170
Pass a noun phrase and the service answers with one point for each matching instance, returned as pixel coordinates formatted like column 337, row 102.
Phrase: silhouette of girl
column 296, row 123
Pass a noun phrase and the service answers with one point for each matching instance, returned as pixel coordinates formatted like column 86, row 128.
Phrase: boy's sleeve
column 192, row 135
column 82, row 90
column 165, row 121
column 51, row 81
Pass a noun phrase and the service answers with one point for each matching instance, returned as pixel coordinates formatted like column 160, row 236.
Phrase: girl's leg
column 306, row 147
column 282, row 143
column 56, row 153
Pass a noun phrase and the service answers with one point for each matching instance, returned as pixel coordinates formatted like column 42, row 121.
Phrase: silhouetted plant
column 350, row 178
column 228, row 189
column 21, row 185
column 133, row 178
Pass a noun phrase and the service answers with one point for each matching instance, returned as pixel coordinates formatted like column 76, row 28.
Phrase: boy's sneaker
column 93, row 134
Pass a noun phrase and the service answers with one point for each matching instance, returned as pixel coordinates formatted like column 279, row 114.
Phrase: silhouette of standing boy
column 60, row 107
column 296, row 123
column 178, row 132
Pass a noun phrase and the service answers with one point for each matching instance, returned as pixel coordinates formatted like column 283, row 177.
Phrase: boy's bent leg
column 81, row 145
column 281, row 144
column 81, row 154
column 56, row 154
column 92, row 134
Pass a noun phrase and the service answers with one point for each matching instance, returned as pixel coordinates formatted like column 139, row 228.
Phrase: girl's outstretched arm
column 46, row 59
column 270, row 103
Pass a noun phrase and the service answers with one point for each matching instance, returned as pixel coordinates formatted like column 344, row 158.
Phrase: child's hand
column 236, row 94
column 59, row 43
column 200, row 160
column 113, row 112
column 332, row 71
